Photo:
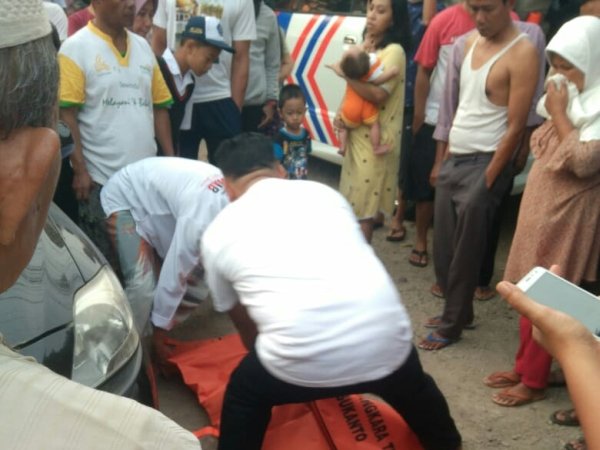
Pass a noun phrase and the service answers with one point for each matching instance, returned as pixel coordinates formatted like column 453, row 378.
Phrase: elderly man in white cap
column 43, row 409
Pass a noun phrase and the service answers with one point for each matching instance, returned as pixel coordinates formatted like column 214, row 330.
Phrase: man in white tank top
column 497, row 84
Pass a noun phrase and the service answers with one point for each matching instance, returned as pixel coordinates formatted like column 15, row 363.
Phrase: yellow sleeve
column 393, row 56
column 161, row 96
column 72, row 82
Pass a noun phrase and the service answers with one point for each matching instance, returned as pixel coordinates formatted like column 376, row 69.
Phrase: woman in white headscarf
column 144, row 12
column 559, row 217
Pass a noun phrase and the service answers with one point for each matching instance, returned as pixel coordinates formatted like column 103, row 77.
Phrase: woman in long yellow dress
column 368, row 181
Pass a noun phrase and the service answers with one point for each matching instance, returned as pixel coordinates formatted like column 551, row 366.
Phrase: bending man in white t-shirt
column 316, row 308
column 161, row 205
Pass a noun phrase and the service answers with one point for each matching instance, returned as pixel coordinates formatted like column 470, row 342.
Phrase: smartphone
column 551, row 290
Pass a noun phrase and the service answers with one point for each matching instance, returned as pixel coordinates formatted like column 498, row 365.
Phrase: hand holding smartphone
column 551, row 290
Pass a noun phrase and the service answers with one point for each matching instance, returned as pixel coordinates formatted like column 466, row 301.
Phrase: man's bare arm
column 422, row 86
column 240, row 68
column 159, row 40
column 82, row 182
column 441, row 153
column 162, row 130
column 244, row 324
column 523, row 73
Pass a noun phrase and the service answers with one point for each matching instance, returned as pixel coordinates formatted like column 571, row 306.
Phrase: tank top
column 479, row 125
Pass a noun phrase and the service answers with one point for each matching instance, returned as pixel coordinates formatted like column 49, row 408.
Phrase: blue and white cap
column 207, row 30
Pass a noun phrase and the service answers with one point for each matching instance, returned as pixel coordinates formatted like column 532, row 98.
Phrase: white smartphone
column 551, row 290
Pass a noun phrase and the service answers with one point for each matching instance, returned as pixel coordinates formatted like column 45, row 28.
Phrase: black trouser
column 489, row 258
column 252, row 392
column 212, row 121
column 465, row 210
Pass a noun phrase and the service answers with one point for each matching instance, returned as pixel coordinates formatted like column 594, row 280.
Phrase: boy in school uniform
column 201, row 43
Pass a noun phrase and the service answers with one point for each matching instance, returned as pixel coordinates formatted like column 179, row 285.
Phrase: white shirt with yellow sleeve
column 116, row 94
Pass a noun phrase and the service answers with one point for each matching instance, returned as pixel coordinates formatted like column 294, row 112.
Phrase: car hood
column 40, row 303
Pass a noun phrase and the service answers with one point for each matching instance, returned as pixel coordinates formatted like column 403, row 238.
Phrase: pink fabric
column 78, row 20
column 446, row 26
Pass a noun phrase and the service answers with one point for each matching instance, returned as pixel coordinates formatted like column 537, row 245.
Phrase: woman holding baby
column 368, row 179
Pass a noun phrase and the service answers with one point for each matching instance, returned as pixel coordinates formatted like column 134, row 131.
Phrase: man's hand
column 161, row 349
column 269, row 112
column 82, row 184
column 435, row 171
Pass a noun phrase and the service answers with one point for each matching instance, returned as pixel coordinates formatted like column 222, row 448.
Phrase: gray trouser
column 464, row 212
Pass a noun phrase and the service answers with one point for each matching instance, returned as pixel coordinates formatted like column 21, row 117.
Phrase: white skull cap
column 22, row 21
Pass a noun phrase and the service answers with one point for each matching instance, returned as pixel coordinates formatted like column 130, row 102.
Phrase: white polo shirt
column 172, row 201
column 116, row 95
column 328, row 313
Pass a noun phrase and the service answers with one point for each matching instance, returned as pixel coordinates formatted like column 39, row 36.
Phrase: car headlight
column 105, row 338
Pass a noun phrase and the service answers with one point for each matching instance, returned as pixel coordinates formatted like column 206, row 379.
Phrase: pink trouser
column 532, row 362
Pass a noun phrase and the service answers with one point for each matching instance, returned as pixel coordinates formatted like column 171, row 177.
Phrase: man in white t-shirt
column 314, row 305
column 161, row 205
column 214, row 111
column 114, row 100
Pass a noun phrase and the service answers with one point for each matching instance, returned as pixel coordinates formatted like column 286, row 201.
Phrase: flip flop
column 577, row 444
column 498, row 380
column 565, row 417
column 432, row 342
column 423, row 258
column 484, row 293
column 514, row 400
column 436, row 291
column 396, row 235
column 436, row 322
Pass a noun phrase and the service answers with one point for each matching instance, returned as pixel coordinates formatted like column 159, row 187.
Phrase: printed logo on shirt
column 216, row 185
column 100, row 65
column 146, row 68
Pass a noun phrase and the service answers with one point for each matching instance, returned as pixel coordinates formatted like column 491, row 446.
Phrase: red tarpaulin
column 342, row 423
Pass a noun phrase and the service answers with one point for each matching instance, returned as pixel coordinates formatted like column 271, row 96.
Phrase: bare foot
column 382, row 149
column 502, row 379
column 518, row 395
column 483, row 293
column 435, row 341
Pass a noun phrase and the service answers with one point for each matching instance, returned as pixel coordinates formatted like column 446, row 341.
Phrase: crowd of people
column 442, row 107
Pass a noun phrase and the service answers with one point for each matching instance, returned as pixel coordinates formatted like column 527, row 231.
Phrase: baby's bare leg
column 343, row 137
column 375, row 135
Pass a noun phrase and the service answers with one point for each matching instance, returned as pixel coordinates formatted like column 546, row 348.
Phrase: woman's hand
column 557, row 98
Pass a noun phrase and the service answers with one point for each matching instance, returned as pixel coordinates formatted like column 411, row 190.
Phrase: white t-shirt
column 172, row 201
column 58, row 18
column 237, row 23
column 116, row 95
column 327, row 312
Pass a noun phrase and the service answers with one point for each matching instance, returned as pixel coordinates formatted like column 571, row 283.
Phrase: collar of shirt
column 181, row 81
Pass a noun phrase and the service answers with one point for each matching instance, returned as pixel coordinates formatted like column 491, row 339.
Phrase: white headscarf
column 22, row 21
column 578, row 41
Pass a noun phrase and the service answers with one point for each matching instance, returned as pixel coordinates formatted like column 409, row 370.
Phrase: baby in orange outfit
column 357, row 64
